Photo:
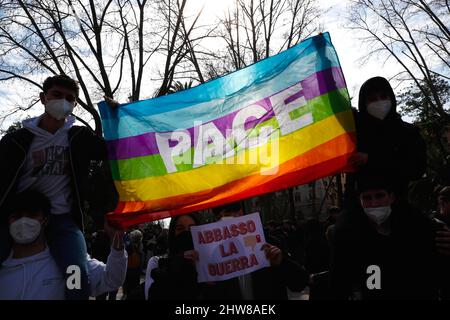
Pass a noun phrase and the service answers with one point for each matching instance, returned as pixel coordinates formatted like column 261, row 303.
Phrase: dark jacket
column 84, row 146
column 101, row 246
column 175, row 279
column 394, row 147
column 407, row 257
column 267, row 283
column 443, row 261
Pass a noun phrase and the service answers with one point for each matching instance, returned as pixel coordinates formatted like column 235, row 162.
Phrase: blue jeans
column 5, row 242
column 68, row 247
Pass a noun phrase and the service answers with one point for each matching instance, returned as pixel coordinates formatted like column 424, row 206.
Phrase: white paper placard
column 229, row 248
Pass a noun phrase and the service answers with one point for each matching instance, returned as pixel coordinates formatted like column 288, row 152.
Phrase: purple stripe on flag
column 145, row 144
column 323, row 82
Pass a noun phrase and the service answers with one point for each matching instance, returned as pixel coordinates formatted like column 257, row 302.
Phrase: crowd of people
column 45, row 255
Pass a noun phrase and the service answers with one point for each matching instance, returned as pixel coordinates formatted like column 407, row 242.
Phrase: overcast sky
column 346, row 42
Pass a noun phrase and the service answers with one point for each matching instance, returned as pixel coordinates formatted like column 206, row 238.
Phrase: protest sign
column 229, row 248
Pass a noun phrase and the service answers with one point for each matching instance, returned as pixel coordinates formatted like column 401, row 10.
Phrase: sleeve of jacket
column 360, row 147
column 96, row 145
column 410, row 159
column 151, row 265
column 5, row 146
column 417, row 155
column 107, row 277
column 340, row 276
column 7, row 172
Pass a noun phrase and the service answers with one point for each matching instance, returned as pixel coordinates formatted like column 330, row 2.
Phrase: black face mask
column 182, row 242
column 182, row 270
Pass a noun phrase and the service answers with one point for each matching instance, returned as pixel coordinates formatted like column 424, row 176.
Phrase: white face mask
column 59, row 108
column 25, row 230
column 378, row 215
column 379, row 109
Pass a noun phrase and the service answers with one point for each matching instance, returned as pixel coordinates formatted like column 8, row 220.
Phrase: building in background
column 310, row 201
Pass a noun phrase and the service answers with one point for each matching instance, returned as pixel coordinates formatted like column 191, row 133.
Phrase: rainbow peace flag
column 281, row 122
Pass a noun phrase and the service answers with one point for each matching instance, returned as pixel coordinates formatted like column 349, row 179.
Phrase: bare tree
column 181, row 57
column 106, row 46
column 39, row 32
column 139, row 43
column 413, row 33
column 256, row 29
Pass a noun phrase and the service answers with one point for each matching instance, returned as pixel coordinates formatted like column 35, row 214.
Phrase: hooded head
column 377, row 93
column 180, row 238
column 228, row 210
column 375, row 179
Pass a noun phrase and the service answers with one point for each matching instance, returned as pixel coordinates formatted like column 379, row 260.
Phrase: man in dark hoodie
column 383, row 250
column 51, row 156
column 385, row 143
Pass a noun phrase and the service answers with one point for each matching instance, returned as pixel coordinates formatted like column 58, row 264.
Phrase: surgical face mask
column 378, row 215
column 25, row 230
column 59, row 108
column 379, row 109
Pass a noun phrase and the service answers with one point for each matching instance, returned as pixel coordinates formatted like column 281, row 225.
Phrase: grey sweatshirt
column 47, row 166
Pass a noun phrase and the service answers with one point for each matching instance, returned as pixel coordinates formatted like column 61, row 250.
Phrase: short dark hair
column 271, row 223
column 28, row 201
column 231, row 207
column 63, row 81
column 171, row 235
column 372, row 181
column 334, row 209
column 445, row 193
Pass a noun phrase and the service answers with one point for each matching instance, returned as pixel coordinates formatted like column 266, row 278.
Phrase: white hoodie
column 38, row 277
column 153, row 263
column 47, row 166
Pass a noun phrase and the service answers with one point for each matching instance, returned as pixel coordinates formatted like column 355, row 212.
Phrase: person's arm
column 291, row 273
column 110, row 276
column 340, row 275
column 113, row 104
column 443, row 241
column 95, row 145
column 417, row 152
column 105, row 278
column 410, row 159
